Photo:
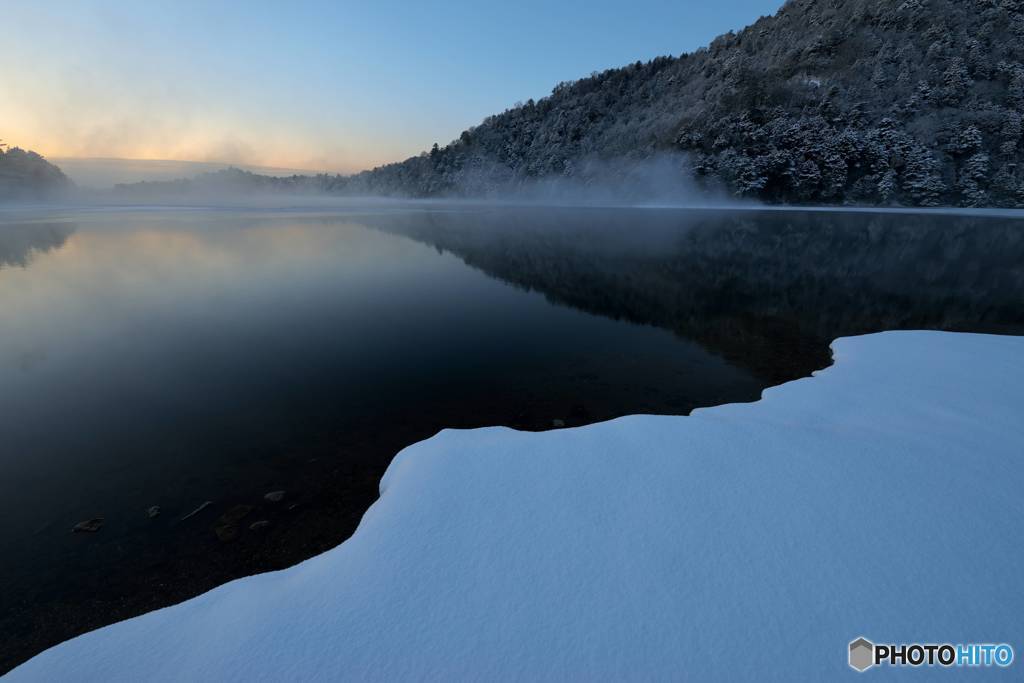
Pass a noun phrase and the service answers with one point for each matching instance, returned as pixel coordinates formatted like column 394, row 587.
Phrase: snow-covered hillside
column 882, row 498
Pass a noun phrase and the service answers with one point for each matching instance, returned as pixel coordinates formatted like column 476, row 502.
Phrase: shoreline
column 356, row 206
column 415, row 486
column 331, row 499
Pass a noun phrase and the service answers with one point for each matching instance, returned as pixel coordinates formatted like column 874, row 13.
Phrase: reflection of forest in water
column 767, row 290
column 19, row 242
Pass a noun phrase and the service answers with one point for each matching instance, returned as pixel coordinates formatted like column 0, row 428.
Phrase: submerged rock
column 274, row 497
column 226, row 528
column 88, row 526
column 235, row 514
column 198, row 510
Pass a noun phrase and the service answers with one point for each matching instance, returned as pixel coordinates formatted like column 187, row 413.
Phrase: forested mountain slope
column 914, row 102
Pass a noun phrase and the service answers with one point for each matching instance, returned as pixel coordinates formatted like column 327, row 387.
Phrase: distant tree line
column 26, row 175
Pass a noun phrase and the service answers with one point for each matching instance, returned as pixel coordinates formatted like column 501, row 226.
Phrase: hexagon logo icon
column 862, row 654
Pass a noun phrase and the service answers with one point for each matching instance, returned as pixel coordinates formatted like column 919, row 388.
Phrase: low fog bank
column 664, row 179
column 660, row 179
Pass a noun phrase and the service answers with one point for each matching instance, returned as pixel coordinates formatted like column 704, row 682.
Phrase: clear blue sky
column 311, row 84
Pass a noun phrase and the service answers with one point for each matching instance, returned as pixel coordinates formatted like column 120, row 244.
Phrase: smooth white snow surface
column 883, row 497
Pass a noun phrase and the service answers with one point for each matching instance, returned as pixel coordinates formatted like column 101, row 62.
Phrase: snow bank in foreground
column 883, row 498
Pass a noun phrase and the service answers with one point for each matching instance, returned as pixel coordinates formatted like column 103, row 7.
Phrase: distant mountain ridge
column 914, row 102
column 103, row 173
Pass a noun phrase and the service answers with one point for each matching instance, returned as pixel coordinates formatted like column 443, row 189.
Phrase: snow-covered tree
column 972, row 181
column 922, row 178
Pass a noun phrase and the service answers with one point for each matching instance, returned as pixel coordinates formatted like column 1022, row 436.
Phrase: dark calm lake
column 172, row 357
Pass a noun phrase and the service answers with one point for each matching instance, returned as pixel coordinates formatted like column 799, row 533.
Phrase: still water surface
column 167, row 357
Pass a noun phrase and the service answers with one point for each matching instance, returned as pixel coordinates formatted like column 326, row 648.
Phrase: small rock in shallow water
column 558, row 423
column 274, row 496
column 198, row 510
column 227, row 525
column 153, row 511
column 235, row 514
column 260, row 525
column 90, row 525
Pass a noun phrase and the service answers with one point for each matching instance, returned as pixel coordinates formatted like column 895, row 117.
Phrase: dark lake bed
column 171, row 357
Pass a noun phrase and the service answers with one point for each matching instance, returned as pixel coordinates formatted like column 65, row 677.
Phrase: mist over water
column 664, row 179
